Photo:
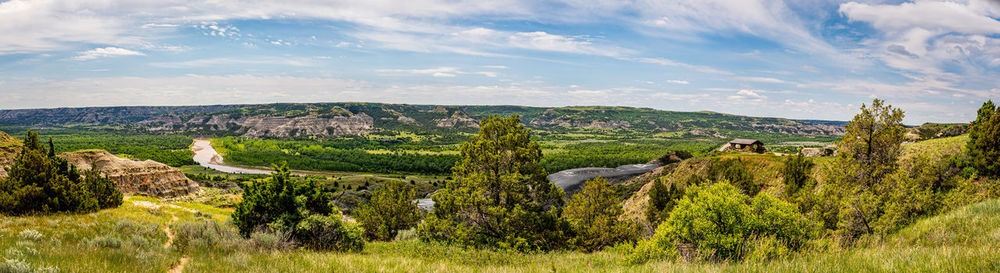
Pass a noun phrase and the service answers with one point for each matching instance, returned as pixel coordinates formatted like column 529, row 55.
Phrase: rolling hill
column 335, row 119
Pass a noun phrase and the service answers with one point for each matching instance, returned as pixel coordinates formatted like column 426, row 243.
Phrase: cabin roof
column 744, row 141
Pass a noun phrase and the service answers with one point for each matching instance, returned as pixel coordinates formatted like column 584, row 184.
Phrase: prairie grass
column 130, row 239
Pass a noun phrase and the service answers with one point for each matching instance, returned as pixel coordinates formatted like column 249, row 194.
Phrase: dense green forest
column 170, row 150
column 306, row 155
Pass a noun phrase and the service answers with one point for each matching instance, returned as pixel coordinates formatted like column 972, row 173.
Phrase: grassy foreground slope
column 133, row 238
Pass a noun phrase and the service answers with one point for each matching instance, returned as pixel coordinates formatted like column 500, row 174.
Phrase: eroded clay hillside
column 148, row 177
column 338, row 119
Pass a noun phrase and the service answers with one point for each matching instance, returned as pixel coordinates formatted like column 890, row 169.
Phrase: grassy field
column 133, row 238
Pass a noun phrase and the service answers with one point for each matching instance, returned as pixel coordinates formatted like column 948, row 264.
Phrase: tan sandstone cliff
column 135, row 177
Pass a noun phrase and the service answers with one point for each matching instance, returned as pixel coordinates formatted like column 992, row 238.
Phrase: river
column 569, row 180
column 207, row 157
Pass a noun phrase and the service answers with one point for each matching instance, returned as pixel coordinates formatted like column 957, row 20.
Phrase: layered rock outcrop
column 359, row 124
column 457, row 119
column 134, row 177
column 590, row 124
column 269, row 126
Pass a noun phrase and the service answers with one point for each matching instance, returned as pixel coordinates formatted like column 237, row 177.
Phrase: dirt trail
column 180, row 266
column 170, row 233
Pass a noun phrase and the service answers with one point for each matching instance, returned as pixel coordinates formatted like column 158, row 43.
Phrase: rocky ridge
column 134, row 177
column 269, row 126
column 457, row 119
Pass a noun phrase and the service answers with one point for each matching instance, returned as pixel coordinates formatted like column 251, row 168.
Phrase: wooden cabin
column 744, row 145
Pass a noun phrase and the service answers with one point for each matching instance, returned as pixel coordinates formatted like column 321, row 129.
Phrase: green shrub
column 294, row 206
column 390, row 209
column 15, row 266
column 719, row 222
column 278, row 203
column 593, row 214
column 329, row 233
column 30, row 234
column 106, row 241
column 735, row 172
column 781, row 221
column 796, row 173
column 208, row 234
column 715, row 219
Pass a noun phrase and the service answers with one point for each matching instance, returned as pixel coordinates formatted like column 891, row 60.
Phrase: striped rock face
column 148, row 177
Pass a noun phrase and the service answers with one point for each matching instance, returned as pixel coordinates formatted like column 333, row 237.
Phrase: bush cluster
column 297, row 207
column 717, row 222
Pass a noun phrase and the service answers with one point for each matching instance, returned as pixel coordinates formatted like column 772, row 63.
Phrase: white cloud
column 301, row 62
column 106, row 52
column 447, row 72
column 759, row 79
column 947, row 16
column 668, row 62
column 946, row 46
column 747, row 95
column 677, row 82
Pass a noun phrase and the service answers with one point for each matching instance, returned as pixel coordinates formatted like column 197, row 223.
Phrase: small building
column 744, row 145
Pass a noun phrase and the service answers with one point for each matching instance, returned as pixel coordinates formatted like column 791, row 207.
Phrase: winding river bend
column 207, row 157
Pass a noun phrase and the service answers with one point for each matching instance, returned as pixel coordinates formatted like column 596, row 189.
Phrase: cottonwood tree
column 500, row 196
column 857, row 189
column 873, row 142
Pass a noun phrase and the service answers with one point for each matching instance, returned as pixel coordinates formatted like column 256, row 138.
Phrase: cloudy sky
column 812, row 59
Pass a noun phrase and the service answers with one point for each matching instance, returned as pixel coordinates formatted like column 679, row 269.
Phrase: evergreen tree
column 796, row 172
column 390, row 209
column 500, row 195
column 298, row 207
column 982, row 116
column 984, row 140
column 103, row 189
column 593, row 214
column 662, row 199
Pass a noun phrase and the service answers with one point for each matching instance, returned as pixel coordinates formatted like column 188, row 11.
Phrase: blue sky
column 815, row 59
